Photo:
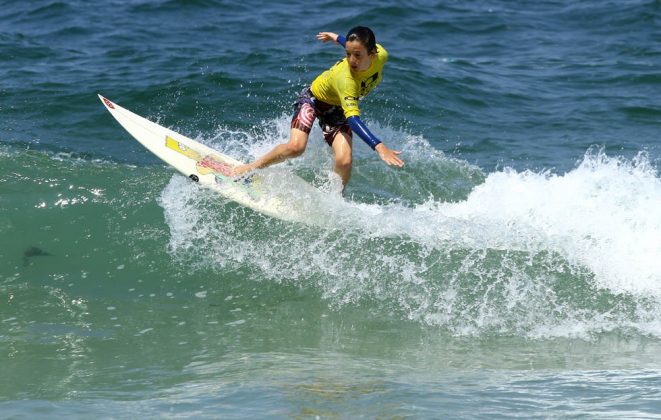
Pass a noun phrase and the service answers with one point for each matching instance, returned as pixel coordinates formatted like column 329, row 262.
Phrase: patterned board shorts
column 331, row 117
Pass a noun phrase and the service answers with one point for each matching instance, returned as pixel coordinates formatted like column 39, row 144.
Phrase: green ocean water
column 510, row 269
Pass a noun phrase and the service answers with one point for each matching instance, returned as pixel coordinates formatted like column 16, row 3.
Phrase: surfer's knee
column 297, row 142
column 343, row 168
column 295, row 149
column 342, row 149
column 343, row 162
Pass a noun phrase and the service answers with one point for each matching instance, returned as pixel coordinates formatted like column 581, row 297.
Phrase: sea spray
column 602, row 215
column 529, row 253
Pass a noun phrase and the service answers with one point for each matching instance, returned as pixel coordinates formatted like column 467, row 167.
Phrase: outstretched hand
column 389, row 156
column 327, row 36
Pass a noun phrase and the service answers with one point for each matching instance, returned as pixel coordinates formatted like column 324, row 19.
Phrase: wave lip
column 602, row 215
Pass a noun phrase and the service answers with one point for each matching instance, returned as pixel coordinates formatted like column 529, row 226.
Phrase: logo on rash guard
column 351, row 101
column 368, row 84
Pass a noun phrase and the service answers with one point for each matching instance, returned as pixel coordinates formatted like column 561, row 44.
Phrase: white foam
column 492, row 262
column 604, row 215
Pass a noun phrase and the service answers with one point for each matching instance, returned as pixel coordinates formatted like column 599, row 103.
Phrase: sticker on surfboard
column 209, row 164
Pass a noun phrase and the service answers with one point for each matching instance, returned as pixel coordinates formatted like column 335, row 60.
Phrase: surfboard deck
column 199, row 162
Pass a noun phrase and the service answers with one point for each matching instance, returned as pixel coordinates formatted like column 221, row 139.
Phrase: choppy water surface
column 512, row 268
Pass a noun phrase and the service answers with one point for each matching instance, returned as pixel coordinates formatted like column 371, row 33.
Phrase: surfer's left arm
column 331, row 36
column 386, row 154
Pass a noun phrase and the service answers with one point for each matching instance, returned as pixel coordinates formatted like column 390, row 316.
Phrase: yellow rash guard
column 340, row 87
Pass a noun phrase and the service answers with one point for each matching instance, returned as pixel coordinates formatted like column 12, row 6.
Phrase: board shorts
column 331, row 117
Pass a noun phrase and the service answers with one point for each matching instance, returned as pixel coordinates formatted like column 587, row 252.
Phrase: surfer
column 333, row 99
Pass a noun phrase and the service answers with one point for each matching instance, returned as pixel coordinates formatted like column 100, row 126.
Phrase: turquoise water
column 511, row 268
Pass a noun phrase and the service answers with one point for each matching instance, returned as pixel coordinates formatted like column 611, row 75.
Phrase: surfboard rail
column 199, row 162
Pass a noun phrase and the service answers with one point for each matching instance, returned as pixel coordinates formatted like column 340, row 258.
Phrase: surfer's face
column 357, row 56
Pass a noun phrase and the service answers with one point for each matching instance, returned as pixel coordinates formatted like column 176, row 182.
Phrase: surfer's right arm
column 386, row 154
column 332, row 36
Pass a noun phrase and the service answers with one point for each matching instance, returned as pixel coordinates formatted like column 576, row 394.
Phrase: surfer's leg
column 295, row 147
column 301, row 125
column 342, row 148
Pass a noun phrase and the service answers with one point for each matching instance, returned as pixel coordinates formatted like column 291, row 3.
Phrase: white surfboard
column 201, row 164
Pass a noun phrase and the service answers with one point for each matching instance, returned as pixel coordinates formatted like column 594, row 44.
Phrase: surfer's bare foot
column 241, row 169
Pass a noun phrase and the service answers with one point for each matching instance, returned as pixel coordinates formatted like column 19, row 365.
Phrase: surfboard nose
column 107, row 102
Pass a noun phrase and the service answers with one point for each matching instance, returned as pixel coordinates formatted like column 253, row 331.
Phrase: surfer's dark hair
column 365, row 36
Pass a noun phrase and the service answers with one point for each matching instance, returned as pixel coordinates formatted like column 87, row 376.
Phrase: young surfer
column 333, row 99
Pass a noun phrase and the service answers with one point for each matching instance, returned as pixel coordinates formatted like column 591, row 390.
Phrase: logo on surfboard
column 108, row 103
column 209, row 164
